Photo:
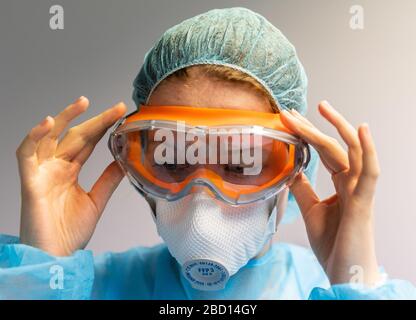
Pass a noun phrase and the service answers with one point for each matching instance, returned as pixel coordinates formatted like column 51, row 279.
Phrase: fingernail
column 80, row 98
column 290, row 115
column 366, row 128
column 294, row 111
column 121, row 103
column 44, row 121
column 326, row 103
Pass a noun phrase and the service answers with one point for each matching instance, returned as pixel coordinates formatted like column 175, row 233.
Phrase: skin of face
column 199, row 90
column 340, row 236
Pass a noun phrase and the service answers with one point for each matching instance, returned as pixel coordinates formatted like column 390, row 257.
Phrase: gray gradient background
column 369, row 75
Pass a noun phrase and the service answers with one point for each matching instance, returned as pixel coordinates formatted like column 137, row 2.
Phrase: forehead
column 200, row 90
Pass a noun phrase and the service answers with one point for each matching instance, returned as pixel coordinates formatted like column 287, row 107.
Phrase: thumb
column 105, row 185
column 304, row 194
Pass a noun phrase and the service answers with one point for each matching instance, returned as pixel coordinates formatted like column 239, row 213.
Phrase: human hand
column 340, row 228
column 57, row 215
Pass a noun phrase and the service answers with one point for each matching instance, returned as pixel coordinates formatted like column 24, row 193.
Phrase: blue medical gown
column 284, row 272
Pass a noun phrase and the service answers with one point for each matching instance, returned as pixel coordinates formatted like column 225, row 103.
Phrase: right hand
column 57, row 215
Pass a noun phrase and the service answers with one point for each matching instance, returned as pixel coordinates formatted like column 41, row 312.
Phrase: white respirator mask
column 212, row 240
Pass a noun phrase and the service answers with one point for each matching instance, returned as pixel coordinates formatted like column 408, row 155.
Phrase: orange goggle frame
column 296, row 155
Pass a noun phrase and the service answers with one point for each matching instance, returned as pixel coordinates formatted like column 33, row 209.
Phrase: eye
column 240, row 170
column 172, row 167
column 235, row 169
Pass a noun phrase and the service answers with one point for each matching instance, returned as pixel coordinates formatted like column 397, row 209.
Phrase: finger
column 304, row 194
column 78, row 137
column 297, row 115
column 105, row 186
column 26, row 152
column 85, row 153
column 347, row 133
column 370, row 170
column 48, row 144
column 330, row 151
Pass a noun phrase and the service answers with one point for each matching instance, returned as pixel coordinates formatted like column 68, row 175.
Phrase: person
column 223, row 66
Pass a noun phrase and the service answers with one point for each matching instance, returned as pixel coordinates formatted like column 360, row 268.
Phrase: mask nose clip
column 201, row 186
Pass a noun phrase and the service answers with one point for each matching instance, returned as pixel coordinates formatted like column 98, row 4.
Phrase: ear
column 152, row 204
column 281, row 204
column 149, row 200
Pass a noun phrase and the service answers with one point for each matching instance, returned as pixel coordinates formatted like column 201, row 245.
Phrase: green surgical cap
column 237, row 38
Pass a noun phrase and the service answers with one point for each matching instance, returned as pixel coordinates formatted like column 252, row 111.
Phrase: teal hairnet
column 237, row 38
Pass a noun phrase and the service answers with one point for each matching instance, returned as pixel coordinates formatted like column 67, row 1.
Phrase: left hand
column 340, row 228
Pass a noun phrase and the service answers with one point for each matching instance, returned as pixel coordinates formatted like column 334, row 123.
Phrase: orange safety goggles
column 239, row 156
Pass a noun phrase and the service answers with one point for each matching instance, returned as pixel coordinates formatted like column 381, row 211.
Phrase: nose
column 203, row 190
